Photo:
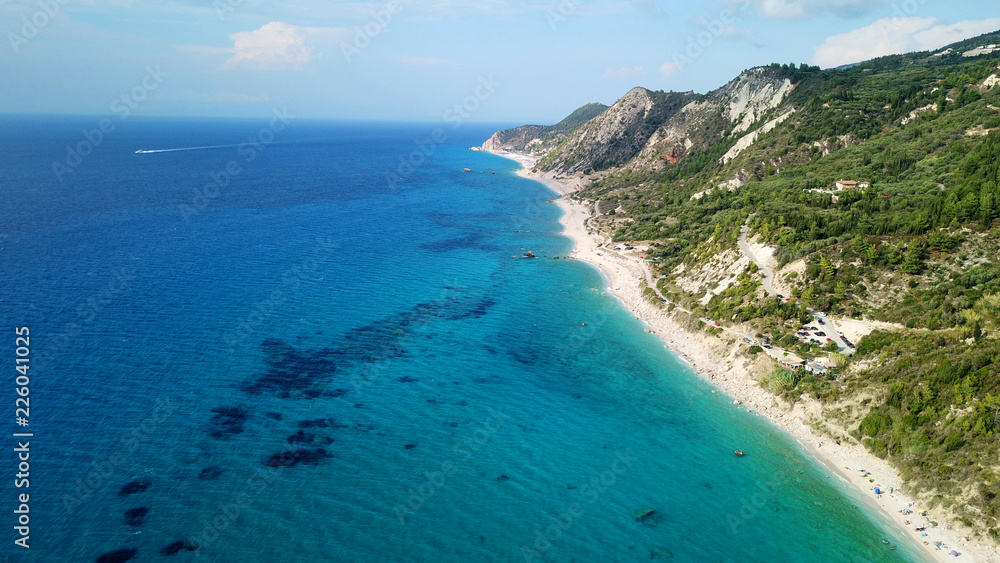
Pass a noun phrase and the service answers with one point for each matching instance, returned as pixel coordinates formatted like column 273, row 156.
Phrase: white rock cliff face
column 737, row 106
column 752, row 94
column 624, row 136
column 592, row 142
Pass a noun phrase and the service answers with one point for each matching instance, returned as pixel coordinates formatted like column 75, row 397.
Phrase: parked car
column 820, row 334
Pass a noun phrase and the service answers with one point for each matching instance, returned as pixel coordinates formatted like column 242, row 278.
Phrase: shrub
column 780, row 380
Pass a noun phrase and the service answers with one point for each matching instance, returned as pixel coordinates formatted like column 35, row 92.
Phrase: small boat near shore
column 739, row 453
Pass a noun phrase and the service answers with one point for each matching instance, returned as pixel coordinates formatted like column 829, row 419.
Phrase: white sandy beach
column 724, row 367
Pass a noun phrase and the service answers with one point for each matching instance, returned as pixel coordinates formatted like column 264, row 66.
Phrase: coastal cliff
column 536, row 139
column 849, row 218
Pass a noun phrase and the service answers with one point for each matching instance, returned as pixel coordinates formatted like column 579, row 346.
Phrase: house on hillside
column 791, row 361
column 852, row 184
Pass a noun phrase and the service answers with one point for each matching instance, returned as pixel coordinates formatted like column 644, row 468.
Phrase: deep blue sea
column 320, row 343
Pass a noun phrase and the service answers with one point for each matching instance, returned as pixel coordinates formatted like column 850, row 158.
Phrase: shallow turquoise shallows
column 323, row 344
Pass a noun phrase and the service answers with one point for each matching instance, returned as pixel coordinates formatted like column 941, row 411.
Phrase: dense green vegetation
column 574, row 120
column 919, row 247
column 938, row 415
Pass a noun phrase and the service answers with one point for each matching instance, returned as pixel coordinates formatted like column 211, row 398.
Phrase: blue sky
column 496, row 60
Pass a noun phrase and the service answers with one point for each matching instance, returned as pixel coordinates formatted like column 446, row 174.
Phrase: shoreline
column 732, row 373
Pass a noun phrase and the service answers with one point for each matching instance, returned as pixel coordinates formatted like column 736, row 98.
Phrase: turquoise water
column 313, row 363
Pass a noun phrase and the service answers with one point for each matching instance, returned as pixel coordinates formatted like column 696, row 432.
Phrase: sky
column 506, row 61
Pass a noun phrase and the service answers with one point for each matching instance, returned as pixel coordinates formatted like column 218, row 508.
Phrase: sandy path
column 768, row 273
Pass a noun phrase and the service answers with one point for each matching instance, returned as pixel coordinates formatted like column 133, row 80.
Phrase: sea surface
column 319, row 341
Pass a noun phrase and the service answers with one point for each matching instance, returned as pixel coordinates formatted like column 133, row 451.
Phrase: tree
column 840, row 290
column 827, row 266
column 913, row 259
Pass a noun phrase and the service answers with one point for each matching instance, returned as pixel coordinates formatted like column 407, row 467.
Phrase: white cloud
column 890, row 36
column 802, row 9
column 275, row 46
column 670, row 68
column 622, row 73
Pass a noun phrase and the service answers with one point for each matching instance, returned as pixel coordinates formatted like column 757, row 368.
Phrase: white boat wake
column 142, row 151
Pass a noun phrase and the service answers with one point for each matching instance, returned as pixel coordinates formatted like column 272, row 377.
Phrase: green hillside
column 919, row 247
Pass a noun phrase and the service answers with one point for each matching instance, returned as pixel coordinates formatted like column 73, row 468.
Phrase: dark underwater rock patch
column 303, row 456
column 175, row 548
column 289, row 369
column 469, row 241
column 524, row 357
column 118, row 556
column 649, row 517
column 301, row 437
column 409, row 446
column 134, row 488
column 227, row 421
column 476, row 311
column 211, row 473
column 136, row 516
column 322, row 423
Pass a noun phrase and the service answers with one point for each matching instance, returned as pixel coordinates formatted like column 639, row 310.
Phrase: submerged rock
column 175, row 547
column 290, row 369
column 648, row 516
column 227, row 421
column 301, row 437
column 136, row 516
column 211, row 473
column 322, row 423
column 660, row 553
column 118, row 556
column 303, row 456
column 134, row 488
column 172, row 548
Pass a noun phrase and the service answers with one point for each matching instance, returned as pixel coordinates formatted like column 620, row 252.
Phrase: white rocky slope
column 735, row 107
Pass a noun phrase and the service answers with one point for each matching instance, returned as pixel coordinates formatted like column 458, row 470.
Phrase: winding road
column 824, row 323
